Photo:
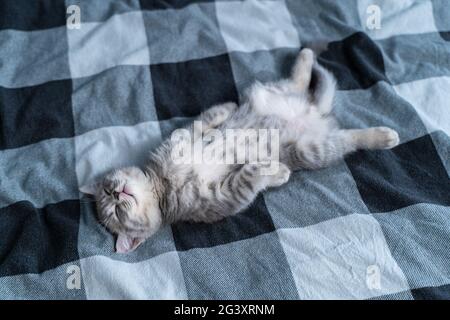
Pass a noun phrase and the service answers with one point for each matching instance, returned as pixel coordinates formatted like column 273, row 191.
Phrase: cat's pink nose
column 126, row 190
column 123, row 193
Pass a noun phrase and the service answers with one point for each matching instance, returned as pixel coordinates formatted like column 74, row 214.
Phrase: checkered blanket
column 77, row 100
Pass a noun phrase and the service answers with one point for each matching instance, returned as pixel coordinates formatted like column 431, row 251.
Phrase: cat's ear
column 125, row 244
column 89, row 189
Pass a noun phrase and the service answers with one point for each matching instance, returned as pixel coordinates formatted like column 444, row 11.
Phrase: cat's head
column 127, row 205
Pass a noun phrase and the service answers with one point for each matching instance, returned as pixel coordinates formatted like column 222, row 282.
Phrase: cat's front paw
column 280, row 174
column 216, row 115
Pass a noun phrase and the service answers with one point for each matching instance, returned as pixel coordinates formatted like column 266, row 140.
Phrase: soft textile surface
column 75, row 103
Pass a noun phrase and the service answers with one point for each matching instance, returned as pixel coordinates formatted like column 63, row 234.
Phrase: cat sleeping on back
column 134, row 203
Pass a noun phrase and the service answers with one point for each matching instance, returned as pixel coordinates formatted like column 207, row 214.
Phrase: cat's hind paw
column 385, row 138
column 306, row 56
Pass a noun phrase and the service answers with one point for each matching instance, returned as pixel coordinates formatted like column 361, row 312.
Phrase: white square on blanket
column 101, row 150
column 95, row 47
column 256, row 25
column 396, row 17
column 343, row 258
column 157, row 278
column 431, row 100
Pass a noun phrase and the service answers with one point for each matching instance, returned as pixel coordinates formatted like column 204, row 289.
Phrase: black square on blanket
column 32, row 14
column 410, row 173
column 38, row 239
column 356, row 61
column 252, row 222
column 35, row 113
column 185, row 89
column 167, row 4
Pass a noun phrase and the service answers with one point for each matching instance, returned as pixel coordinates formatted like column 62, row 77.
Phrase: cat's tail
column 323, row 88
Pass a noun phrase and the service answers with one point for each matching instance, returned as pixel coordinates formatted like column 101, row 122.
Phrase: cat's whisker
column 106, row 221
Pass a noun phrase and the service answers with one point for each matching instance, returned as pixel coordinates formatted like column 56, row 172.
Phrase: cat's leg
column 241, row 187
column 301, row 73
column 320, row 153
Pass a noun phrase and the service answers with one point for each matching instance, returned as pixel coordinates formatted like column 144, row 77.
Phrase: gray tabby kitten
column 135, row 203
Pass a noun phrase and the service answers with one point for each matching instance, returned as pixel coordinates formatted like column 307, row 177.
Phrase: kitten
column 135, row 203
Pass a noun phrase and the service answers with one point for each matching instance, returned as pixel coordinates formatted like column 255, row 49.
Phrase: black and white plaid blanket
column 78, row 101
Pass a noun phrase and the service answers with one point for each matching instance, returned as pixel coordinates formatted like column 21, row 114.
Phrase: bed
column 88, row 86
